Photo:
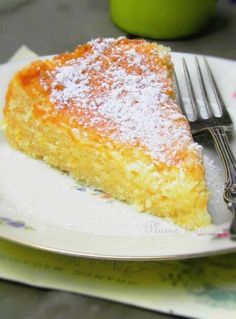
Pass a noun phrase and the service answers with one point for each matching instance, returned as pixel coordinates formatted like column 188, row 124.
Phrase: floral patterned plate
column 44, row 208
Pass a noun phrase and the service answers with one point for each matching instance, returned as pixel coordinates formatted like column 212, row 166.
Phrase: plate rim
column 99, row 256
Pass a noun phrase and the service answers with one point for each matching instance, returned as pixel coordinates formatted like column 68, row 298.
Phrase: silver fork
column 216, row 126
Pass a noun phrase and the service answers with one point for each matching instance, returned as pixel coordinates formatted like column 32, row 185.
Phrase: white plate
column 43, row 208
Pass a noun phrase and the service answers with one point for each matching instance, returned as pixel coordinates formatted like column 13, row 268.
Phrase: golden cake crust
column 102, row 63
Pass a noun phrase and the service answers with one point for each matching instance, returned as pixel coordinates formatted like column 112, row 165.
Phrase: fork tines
column 212, row 120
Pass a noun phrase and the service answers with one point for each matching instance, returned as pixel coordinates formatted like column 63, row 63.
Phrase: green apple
column 161, row 19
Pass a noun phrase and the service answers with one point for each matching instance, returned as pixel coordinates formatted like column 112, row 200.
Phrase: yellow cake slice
column 106, row 113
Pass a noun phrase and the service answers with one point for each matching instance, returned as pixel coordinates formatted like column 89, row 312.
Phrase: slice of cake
column 106, row 113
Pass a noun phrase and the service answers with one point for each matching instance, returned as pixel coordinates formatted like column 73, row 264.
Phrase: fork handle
column 224, row 150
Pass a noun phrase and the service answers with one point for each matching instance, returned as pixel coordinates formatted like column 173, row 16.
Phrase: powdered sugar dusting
column 123, row 93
